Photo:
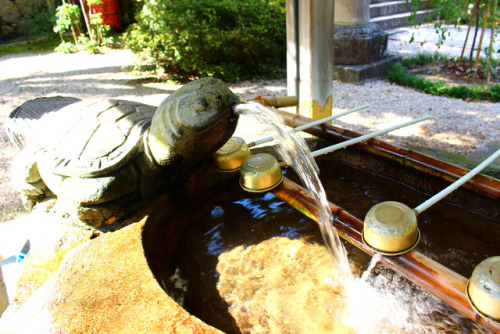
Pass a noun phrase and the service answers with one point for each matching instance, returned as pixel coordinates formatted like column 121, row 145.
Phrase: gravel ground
column 456, row 126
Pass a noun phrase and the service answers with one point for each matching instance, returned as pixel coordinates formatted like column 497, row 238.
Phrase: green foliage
column 448, row 13
column 88, row 44
column 67, row 15
column 41, row 45
column 422, row 59
column 99, row 31
column 445, row 12
column 399, row 75
column 66, row 47
column 230, row 39
column 68, row 18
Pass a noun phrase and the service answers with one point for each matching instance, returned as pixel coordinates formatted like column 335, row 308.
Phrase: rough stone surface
column 28, row 8
column 9, row 13
column 7, row 30
column 359, row 74
column 3, row 294
column 103, row 286
column 23, row 18
column 483, row 152
column 100, row 147
column 360, row 44
column 51, row 237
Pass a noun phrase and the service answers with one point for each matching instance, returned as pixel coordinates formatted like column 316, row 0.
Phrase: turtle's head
column 192, row 122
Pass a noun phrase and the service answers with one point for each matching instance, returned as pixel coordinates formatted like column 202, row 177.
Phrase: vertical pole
column 292, row 41
column 314, row 56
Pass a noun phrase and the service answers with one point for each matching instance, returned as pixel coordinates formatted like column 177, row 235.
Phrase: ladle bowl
column 390, row 228
column 260, row 172
column 230, row 156
column 483, row 289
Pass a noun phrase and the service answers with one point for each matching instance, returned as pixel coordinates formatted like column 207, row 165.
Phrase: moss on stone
column 456, row 159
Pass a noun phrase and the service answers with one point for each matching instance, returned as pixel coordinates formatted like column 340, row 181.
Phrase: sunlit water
column 259, row 268
column 253, row 264
column 295, row 152
column 375, row 259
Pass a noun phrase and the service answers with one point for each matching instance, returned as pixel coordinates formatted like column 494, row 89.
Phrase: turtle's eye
column 200, row 104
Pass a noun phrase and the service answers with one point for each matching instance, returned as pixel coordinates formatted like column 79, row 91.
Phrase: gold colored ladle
column 263, row 172
column 230, row 156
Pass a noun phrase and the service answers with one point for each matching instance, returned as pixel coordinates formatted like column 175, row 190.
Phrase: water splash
column 296, row 154
column 373, row 262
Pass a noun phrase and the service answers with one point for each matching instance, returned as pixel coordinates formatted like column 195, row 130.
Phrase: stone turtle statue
column 97, row 157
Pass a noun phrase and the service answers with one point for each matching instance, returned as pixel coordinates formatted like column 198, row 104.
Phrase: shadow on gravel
column 96, row 81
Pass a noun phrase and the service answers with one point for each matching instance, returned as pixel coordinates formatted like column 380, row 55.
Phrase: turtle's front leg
column 26, row 178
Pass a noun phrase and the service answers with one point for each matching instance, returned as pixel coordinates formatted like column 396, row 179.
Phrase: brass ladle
column 262, row 172
column 230, row 156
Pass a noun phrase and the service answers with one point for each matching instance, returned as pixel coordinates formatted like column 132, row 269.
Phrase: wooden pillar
column 310, row 55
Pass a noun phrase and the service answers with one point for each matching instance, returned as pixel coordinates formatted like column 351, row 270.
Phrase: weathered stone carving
column 359, row 44
column 99, row 157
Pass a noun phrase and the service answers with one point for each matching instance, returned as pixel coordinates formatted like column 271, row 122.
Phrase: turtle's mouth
column 228, row 115
column 232, row 107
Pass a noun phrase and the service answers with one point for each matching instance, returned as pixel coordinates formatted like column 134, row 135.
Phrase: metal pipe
column 481, row 184
column 297, row 49
column 442, row 282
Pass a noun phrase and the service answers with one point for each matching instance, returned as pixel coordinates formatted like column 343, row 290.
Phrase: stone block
column 29, row 8
column 9, row 13
column 360, row 44
column 7, row 31
column 359, row 74
column 103, row 286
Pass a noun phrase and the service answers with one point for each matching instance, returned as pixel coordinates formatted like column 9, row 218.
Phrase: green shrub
column 399, row 75
column 66, row 47
column 422, row 59
column 229, row 39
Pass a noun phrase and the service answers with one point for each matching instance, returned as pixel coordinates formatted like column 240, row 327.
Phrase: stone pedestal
column 359, row 74
column 359, row 46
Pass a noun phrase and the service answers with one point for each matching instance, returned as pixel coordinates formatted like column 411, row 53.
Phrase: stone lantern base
column 360, row 53
column 362, row 73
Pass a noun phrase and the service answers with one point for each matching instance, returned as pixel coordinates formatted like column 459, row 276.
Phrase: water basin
column 246, row 262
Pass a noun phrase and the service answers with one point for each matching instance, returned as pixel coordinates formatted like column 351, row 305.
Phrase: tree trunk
column 485, row 21
column 474, row 10
column 492, row 40
column 475, row 35
column 87, row 21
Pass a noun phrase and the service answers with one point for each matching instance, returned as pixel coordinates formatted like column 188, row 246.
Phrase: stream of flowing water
column 295, row 152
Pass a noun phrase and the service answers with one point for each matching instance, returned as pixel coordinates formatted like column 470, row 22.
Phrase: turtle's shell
column 92, row 138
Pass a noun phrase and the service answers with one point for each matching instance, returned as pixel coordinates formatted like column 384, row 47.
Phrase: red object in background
column 110, row 10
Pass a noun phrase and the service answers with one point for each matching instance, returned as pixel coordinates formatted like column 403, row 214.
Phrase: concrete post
column 309, row 55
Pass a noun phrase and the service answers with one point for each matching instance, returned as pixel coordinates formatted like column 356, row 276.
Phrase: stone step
column 399, row 20
column 395, row 7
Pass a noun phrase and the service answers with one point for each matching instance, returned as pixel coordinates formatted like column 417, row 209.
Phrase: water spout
column 311, row 124
column 296, row 154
